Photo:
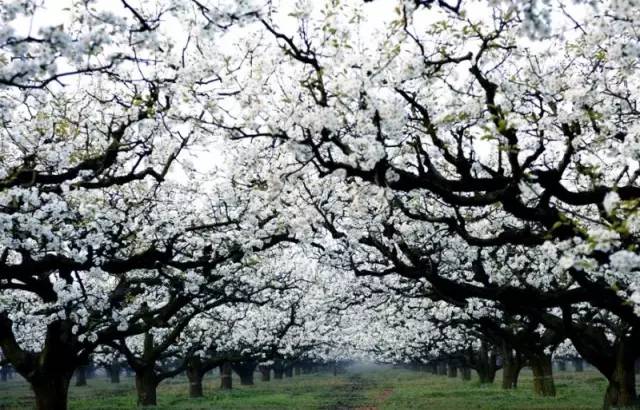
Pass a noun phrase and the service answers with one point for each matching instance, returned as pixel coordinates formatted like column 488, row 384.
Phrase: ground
column 359, row 388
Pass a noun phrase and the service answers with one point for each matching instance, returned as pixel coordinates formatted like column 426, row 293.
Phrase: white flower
column 624, row 261
column 611, row 201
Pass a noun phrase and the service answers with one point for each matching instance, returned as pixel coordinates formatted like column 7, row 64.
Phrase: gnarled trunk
column 225, row 376
column 146, row 386
column 543, row 384
column 265, row 373
column 51, row 390
column 621, row 391
column 49, row 372
column 511, row 365
column 195, row 374
column 486, row 365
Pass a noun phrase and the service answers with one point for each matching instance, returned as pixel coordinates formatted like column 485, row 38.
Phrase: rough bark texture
column 511, row 365
column 146, row 386
column 225, row 376
column 543, row 383
column 486, row 365
column 621, row 391
column 195, row 374
column 49, row 372
column 51, row 391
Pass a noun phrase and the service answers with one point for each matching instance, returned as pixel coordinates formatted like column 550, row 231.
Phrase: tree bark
column 511, row 365
column 195, row 374
column 114, row 371
column 288, row 371
column 4, row 373
column 578, row 364
column 543, row 384
column 146, row 386
column 245, row 371
column 50, row 371
column 265, row 373
column 621, row 391
column 466, row 373
column 562, row 366
column 452, row 370
column 486, row 367
column 278, row 372
column 442, row 368
column 51, row 390
column 81, row 376
column 297, row 370
column 225, row 376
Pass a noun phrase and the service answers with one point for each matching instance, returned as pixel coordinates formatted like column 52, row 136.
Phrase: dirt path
column 381, row 398
column 351, row 395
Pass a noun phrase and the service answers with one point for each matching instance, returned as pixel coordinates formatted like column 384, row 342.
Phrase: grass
column 363, row 388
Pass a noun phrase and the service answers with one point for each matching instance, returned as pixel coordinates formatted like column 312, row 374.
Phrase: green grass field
column 362, row 388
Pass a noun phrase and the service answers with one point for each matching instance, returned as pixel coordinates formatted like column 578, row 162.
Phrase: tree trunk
column 114, row 371
column 562, row 366
column 621, row 391
column 81, row 376
column 442, row 368
column 245, row 370
column 225, row 376
column 578, row 364
column 288, row 371
column 543, row 384
column 146, row 386
column 433, row 368
column 297, row 370
column 453, row 370
column 195, row 374
column 466, row 373
column 486, row 367
column 4, row 373
column 510, row 367
column 265, row 372
column 278, row 372
column 51, row 390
